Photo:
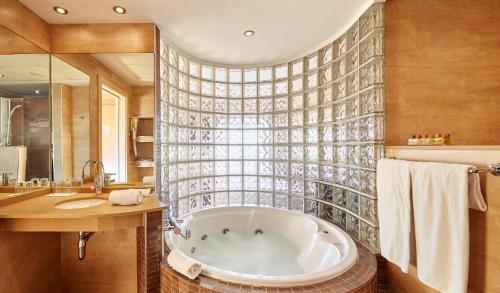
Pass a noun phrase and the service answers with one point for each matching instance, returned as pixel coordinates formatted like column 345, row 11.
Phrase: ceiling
column 136, row 68
column 213, row 30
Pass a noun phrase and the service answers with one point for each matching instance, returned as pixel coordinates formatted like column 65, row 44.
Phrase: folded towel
column 394, row 210
column 148, row 179
column 144, row 191
column 441, row 210
column 183, row 264
column 125, row 197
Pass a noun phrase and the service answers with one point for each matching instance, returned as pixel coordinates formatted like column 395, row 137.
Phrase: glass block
column 297, row 67
column 172, row 76
column 281, row 185
column 266, row 183
column 183, row 207
column 325, row 75
column 250, row 74
column 339, row 111
column 220, row 121
column 352, row 130
column 368, row 182
column 207, row 184
column 281, row 71
column 265, row 89
column 250, row 136
column 250, row 152
column 326, row 134
column 326, row 192
column 250, row 182
column 326, row 54
column 220, row 105
column 265, row 73
column 265, row 121
column 371, row 46
column 221, row 199
column 296, row 153
column 339, row 132
column 311, row 207
column 281, row 201
column 250, row 122
column 297, row 84
column 340, row 176
column 372, row 101
column 281, row 153
column 281, row 169
column 368, row 209
column 281, row 136
column 326, row 173
column 371, row 128
column 172, row 57
column 297, row 102
column 280, row 120
column 312, row 80
column 235, row 75
column 220, row 90
column 340, row 196
column 265, row 152
column 339, row 89
column 207, row 152
column 234, row 136
column 339, row 68
column 281, row 87
column 235, row 183
column 250, row 90
column 250, row 167
column 312, row 62
column 297, row 187
column 312, row 135
column 368, row 235
column 311, row 171
column 340, row 46
column 353, row 35
column 352, row 202
column 326, row 153
column 194, row 69
column 339, row 218
column 183, row 64
column 311, row 189
column 297, row 118
column 206, row 136
column 311, row 153
column 183, row 100
column 194, row 102
column 326, row 212
column 235, row 121
column 164, row 112
column 221, row 74
column 352, row 60
column 352, row 107
column 312, row 98
column 296, row 135
column 312, row 117
column 265, row 105
column 266, row 199
column 371, row 73
column 265, row 136
column 234, row 106
column 353, row 178
column 326, row 114
column 235, row 153
column 297, row 169
column 194, row 152
column 221, row 168
column 297, row 204
column 352, row 83
column 206, row 72
column 183, row 82
column 194, row 186
column 353, row 152
column 235, row 90
column 352, row 226
column 370, row 154
column 206, row 200
column 221, row 136
column 250, row 198
column 281, row 104
column 372, row 18
column 250, row 105
column 265, row 168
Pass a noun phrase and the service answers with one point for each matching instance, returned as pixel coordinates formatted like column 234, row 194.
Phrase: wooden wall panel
column 102, row 38
column 29, row 262
column 18, row 18
column 442, row 67
column 109, row 266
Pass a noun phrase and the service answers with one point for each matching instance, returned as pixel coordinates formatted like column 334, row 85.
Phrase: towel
column 143, row 191
column 148, row 180
column 476, row 199
column 183, row 264
column 394, row 211
column 441, row 210
column 125, row 197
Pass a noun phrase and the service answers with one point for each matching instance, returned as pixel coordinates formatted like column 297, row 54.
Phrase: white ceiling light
column 37, row 92
column 248, row 33
column 119, row 10
column 2, row 75
column 60, row 10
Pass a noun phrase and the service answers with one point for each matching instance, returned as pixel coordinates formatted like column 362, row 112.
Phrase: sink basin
column 81, row 203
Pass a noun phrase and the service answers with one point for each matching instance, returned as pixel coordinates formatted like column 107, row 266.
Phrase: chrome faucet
column 99, row 174
column 173, row 225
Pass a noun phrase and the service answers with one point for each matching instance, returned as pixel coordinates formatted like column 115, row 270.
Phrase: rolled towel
column 148, row 180
column 183, row 264
column 125, row 197
column 144, row 191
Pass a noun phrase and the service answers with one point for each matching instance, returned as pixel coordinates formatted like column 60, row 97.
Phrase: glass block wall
column 304, row 135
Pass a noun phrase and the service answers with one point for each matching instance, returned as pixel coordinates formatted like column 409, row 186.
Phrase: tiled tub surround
column 361, row 278
column 304, row 135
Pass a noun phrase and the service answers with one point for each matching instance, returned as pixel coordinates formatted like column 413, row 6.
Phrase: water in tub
column 268, row 254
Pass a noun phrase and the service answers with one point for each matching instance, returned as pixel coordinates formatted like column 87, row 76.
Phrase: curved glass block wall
column 304, row 135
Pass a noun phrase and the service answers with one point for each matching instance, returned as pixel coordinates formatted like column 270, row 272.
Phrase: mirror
column 70, row 119
column 24, row 110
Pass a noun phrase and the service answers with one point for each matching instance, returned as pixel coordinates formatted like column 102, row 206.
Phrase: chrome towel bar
column 493, row 169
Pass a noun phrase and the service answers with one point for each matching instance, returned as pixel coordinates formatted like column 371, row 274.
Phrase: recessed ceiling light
column 2, row 75
column 249, row 33
column 36, row 91
column 120, row 10
column 60, row 10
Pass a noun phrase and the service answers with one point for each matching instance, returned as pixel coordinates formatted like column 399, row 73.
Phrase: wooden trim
column 21, row 20
column 102, row 38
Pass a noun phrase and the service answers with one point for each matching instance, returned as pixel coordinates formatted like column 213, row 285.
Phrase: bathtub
column 264, row 246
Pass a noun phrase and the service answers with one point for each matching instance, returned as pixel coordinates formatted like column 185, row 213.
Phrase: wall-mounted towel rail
column 493, row 169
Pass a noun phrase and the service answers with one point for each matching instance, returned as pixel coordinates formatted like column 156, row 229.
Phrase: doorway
column 113, row 134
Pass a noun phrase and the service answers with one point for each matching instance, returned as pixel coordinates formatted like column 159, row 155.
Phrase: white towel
column 441, row 209
column 183, row 264
column 148, row 180
column 476, row 199
column 144, row 191
column 125, row 197
column 394, row 210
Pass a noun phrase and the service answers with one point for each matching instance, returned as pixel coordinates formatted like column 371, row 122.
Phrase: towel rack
column 493, row 169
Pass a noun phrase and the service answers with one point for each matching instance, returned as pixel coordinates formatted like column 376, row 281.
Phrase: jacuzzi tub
column 264, row 246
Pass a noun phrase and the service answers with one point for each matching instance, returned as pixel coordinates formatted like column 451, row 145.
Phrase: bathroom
column 249, row 146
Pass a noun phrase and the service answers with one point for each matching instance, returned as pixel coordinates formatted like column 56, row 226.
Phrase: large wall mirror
column 24, row 109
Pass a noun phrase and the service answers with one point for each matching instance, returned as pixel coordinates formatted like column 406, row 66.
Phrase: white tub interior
column 293, row 248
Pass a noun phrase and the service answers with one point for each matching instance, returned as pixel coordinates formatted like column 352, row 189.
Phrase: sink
column 81, row 203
